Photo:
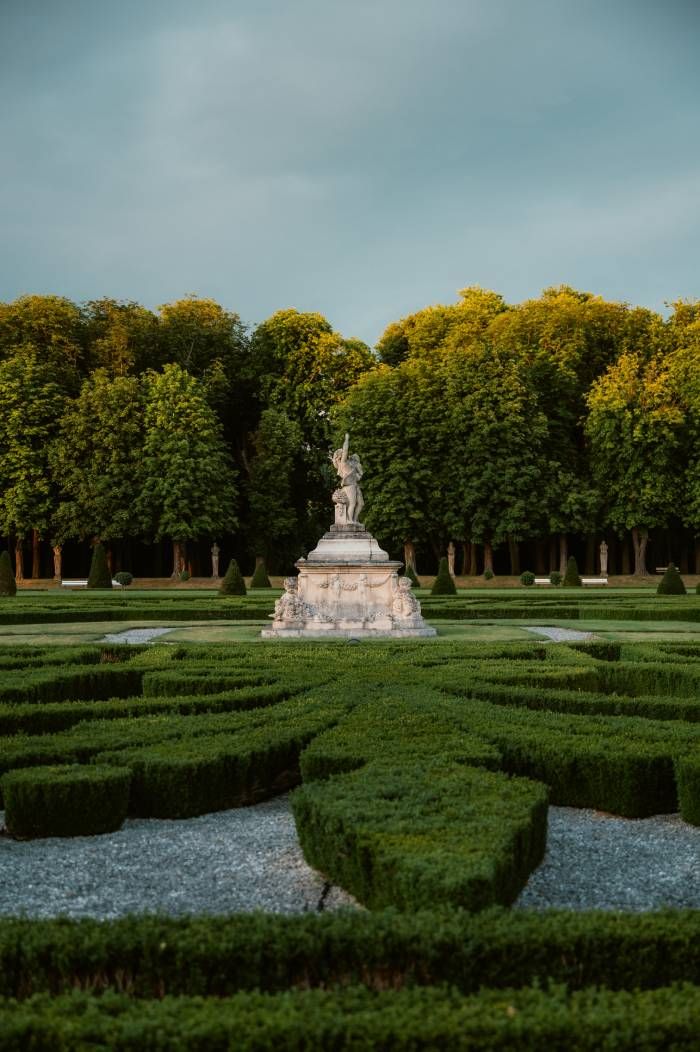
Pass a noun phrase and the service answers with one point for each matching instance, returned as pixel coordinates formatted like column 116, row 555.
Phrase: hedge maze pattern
column 421, row 779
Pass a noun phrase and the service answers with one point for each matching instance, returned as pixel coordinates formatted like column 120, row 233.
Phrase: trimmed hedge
column 671, row 583
column 688, row 779
column 8, row 585
column 260, row 578
column 99, row 576
column 444, row 582
column 524, row 1020
column 154, row 956
column 233, row 583
column 65, row 801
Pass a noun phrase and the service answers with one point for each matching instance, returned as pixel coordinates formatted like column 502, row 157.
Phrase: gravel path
column 228, row 862
column 598, row 861
column 560, row 635
column 136, row 635
column 249, row 859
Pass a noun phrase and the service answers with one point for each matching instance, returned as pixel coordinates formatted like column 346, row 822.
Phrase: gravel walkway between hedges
column 560, row 635
column 249, row 858
column 599, row 861
column 227, row 862
column 136, row 635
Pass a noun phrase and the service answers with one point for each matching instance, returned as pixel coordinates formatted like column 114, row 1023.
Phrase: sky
column 361, row 158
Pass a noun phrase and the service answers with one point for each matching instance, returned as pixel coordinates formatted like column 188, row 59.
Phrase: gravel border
column 136, row 635
column 233, row 861
column 560, row 635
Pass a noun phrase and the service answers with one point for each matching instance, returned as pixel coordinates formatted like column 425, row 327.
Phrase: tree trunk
column 640, row 539
column 563, row 553
column 110, row 561
column 465, row 559
column 590, row 554
column 409, row 555
column 488, row 556
column 514, row 555
column 684, row 560
column 540, row 557
column 473, row 559
column 19, row 560
column 36, row 561
column 697, row 554
column 178, row 558
column 553, row 553
column 625, row 568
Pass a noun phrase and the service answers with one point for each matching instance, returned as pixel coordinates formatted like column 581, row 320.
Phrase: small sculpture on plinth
column 348, row 500
column 603, row 559
column 57, row 561
column 405, row 607
column 215, row 552
column 451, row 551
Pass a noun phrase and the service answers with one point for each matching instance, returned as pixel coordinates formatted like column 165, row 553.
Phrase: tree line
column 518, row 432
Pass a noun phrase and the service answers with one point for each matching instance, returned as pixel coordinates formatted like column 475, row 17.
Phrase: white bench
column 66, row 583
column 542, row 580
column 584, row 580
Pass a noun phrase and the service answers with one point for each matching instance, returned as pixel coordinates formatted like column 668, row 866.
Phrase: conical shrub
column 444, row 582
column 8, row 585
column 671, row 583
column 233, row 583
column 412, row 576
column 99, row 577
column 572, row 578
column 260, row 578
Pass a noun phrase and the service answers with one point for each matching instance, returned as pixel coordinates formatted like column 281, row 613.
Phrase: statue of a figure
column 603, row 559
column 215, row 551
column 405, row 605
column 348, row 499
column 57, row 562
column 290, row 606
column 451, row 558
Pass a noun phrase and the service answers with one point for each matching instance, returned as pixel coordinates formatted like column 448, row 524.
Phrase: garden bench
column 68, row 583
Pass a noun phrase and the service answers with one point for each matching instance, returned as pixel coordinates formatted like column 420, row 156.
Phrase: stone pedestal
column 347, row 588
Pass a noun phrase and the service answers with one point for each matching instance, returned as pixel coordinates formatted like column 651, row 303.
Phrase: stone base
column 319, row 632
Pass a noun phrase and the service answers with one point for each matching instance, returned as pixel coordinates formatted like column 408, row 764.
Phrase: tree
column 32, row 403
column 8, row 585
column 187, row 488
column 100, row 575
column 53, row 326
column 96, row 460
column 122, row 337
column 273, row 490
column 636, row 430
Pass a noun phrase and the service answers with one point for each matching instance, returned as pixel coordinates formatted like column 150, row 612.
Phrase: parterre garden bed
column 423, row 774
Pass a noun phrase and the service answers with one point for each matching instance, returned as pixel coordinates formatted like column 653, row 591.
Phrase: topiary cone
column 8, row 585
column 572, row 577
column 671, row 583
column 100, row 576
column 444, row 582
column 233, row 583
column 260, row 578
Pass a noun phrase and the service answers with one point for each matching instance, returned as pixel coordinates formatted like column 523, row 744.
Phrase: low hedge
column 65, row 801
column 523, row 1020
column 688, row 781
column 90, row 683
column 216, row 956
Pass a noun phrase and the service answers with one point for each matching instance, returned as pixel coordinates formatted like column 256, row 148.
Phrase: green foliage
column 186, row 477
column 233, row 583
column 444, row 582
column 122, row 337
column 124, row 578
column 273, row 496
column 8, row 585
column 100, row 576
column 527, row 577
column 488, row 574
column 65, row 801
column 184, row 575
column 572, row 578
column 260, row 578
column 32, row 402
column 671, row 583
column 688, row 780
column 555, row 578
column 96, row 459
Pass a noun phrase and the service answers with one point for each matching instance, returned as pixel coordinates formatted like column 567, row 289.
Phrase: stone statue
column 603, row 559
column 405, row 606
column 290, row 606
column 348, row 500
column 57, row 562
column 215, row 552
column 451, row 558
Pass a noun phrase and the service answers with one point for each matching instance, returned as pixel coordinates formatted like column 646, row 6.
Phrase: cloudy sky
column 362, row 158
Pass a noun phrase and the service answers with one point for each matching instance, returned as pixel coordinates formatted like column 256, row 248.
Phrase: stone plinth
column 347, row 588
